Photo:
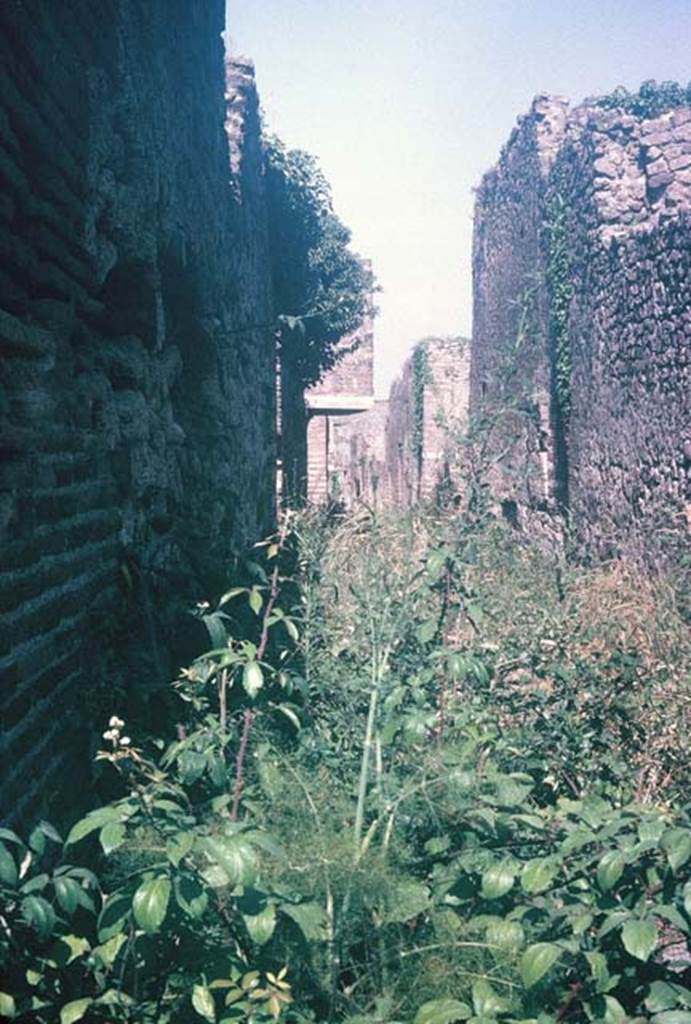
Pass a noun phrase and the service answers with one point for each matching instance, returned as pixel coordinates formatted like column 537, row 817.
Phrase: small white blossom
column 115, row 722
column 125, row 741
column 26, row 864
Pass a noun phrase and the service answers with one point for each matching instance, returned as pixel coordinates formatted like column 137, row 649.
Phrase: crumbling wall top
column 242, row 108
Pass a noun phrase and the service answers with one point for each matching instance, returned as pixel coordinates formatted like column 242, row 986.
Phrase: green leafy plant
column 178, row 901
column 652, row 98
column 422, row 378
column 323, row 290
column 178, row 906
column 425, row 773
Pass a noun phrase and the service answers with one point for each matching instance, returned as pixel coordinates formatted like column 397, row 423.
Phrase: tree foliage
column 322, row 288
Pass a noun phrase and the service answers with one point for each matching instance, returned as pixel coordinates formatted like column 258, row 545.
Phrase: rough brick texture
column 345, row 390
column 428, row 403
column 353, row 374
column 614, row 446
column 358, row 446
column 293, row 437
column 136, row 395
column 398, row 451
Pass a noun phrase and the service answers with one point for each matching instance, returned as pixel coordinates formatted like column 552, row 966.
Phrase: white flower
column 115, row 722
column 111, row 735
column 125, row 741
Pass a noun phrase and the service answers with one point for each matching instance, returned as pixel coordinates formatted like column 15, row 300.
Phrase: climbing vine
column 421, row 379
column 652, row 98
column 560, row 293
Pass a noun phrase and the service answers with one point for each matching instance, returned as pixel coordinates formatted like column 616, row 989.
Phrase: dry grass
column 538, row 613
column 621, row 605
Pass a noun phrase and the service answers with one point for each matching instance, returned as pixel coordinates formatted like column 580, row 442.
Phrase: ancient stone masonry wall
column 136, row 393
column 510, row 373
column 292, row 437
column 399, row 451
column 427, row 406
column 582, row 267
column 344, row 391
column 358, row 446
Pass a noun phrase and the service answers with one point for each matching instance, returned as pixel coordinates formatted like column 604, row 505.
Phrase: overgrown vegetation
column 425, row 773
column 422, row 378
column 560, row 294
column 322, row 288
column 652, row 98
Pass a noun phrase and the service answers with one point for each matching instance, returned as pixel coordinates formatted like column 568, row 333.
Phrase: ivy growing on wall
column 652, row 99
column 422, row 377
column 560, row 293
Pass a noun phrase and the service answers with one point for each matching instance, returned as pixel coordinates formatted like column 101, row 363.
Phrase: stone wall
column 353, row 374
column 510, row 373
column 582, row 267
column 358, row 446
column 427, row 404
column 398, row 451
column 292, row 437
column 137, row 377
column 345, row 390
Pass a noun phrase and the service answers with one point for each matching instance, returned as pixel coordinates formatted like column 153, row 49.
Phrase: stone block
column 660, row 179
column 659, row 166
column 607, row 167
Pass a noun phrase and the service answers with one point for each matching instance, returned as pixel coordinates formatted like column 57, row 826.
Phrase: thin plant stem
column 250, row 713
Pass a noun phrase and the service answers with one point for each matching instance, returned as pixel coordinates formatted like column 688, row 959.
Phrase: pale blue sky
column 407, row 102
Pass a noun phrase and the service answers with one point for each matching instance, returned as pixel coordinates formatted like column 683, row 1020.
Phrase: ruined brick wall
column 599, row 418
column 401, row 462
column 428, row 403
column 510, row 372
column 358, row 447
column 136, row 392
column 353, row 374
column 400, row 450
column 343, row 391
column 293, row 438
column 317, row 458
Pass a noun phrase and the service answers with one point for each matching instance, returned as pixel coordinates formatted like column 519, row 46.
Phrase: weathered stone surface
column 358, row 448
column 391, row 452
column 347, row 390
column 607, row 167
column 659, row 166
column 427, row 412
column 611, row 450
column 136, row 381
column 678, row 163
column 660, row 179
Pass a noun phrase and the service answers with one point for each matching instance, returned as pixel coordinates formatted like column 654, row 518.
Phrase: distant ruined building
column 582, row 320
column 344, row 391
column 428, row 413
column 387, row 452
